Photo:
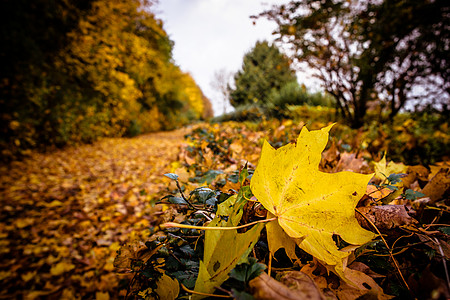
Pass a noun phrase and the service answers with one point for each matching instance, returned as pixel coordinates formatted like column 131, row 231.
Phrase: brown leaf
column 437, row 244
column 415, row 173
column 429, row 286
column 361, row 267
column 293, row 285
column 362, row 286
column 385, row 217
column 438, row 185
column 329, row 157
column 349, row 162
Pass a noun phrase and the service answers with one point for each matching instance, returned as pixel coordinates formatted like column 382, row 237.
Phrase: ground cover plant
column 341, row 193
column 70, row 215
column 398, row 245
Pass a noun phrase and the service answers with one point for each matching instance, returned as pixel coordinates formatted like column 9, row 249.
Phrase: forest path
column 64, row 214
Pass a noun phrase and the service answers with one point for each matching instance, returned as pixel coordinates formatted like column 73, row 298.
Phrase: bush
column 294, row 94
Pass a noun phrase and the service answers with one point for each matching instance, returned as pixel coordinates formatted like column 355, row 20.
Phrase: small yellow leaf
column 167, row 288
column 4, row 274
column 54, row 203
column 22, row 223
column 61, row 267
column 27, row 276
column 383, row 169
column 218, row 257
column 101, row 296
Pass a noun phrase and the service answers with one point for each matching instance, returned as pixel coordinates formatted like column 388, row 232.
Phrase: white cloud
column 210, row 35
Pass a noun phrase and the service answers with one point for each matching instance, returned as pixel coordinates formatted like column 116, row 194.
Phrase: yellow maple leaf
column 383, row 169
column 61, row 268
column 310, row 206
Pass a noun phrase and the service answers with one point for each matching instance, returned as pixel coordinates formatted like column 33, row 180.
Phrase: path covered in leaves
column 64, row 214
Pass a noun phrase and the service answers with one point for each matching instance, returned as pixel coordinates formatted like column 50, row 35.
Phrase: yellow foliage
column 61, row 267
column 310, row 206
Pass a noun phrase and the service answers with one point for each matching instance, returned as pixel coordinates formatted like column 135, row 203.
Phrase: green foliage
column 294, row 94
column 247, row 271
column 223, row 142
column 264, row 70
column 412, row 195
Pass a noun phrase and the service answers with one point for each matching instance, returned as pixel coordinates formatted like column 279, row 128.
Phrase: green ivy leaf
column 247, row 271
column 171, row 176
column 412, row 195
column 395, row 178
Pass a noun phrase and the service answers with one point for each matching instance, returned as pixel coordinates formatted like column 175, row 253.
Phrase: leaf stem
column 182, row 195
column 203, row 294
column 389, row 249
column 172, row 224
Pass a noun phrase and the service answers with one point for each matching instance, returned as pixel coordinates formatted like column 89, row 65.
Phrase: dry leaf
column 218, row 257
column 438, row 185
column 298, row 286
column 385, row 217
column 383, row 169
column 349, row 162
column 310, row 206
column 167, row 288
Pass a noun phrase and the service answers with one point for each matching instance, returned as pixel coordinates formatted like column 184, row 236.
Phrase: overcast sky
column 211, row 35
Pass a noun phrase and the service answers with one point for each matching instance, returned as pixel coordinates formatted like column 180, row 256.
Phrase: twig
column 269, row 270
column 172, row 224
column 184, row 197
column 203, row 294
column 389, row 249
column 444, row 262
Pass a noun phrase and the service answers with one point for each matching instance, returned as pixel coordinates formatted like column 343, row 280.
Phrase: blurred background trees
column 264, row 70
column 385, row 53
column 267, row 86
column 74, row 71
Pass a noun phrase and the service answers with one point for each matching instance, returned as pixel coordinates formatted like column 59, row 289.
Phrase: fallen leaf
column 310, row 206
column 438, row 185
column 383, row 169
column 28, row 276
column 167, row 288
column 219, row 258
column 418, row 172
column 294, row 285
column 349, row 162
column 385, row 217
column 61, row 268
column 130, row 253
column 102, row 296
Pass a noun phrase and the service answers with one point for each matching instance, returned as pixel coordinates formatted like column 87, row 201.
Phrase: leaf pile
column 65, row 214
column 313, row 241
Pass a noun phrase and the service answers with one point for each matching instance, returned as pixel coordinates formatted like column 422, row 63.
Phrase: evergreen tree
column 264, row 70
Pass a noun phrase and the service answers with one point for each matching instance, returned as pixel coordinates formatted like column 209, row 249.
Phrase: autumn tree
column 364, row 51
column 264, row 70
column 97, row 68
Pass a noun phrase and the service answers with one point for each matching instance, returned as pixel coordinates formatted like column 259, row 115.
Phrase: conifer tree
column 264, row 70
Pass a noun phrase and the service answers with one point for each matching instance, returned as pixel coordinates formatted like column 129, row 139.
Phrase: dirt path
column 64, row 214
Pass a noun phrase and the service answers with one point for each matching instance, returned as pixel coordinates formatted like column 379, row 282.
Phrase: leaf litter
column 97, row 205
column 66, row 213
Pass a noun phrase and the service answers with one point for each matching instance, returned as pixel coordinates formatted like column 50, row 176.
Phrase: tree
column 221, row 83
column 264, row 69
column 408, row 44
column 74, row 72
column 366, row 51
